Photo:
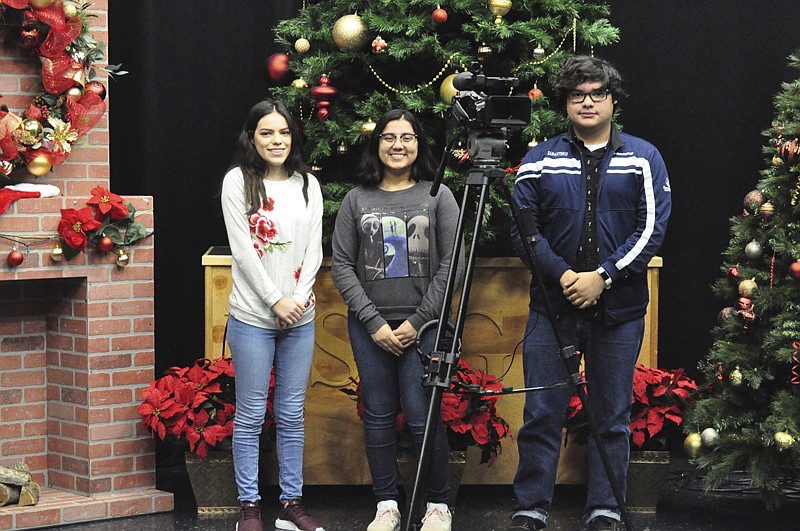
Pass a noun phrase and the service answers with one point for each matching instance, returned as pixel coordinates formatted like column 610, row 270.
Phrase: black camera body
column 478, row 103
column 486, row 118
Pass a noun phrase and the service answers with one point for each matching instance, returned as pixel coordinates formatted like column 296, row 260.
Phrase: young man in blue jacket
column 600, row 199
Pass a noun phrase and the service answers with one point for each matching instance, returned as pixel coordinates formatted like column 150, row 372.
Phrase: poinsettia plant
column 471, row 418
column 195, row 406
column 106, row 222
column 659, row 398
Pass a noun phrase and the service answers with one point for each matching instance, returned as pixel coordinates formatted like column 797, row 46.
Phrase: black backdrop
column 701, row 77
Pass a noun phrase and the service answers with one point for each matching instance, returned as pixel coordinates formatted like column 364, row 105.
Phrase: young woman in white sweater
column 273, row 216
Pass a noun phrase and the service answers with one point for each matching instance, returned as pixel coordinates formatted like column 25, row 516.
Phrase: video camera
column 472, row 107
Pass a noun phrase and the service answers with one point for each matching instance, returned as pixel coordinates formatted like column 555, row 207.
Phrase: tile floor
column 683, row 507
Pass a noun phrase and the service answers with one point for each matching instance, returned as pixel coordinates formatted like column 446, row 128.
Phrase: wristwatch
column 604, row 275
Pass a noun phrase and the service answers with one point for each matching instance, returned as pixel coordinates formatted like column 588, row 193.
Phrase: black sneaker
column 526, row 523
column 604, row 523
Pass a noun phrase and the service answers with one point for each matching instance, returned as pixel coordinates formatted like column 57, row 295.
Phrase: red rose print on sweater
column 264, row 230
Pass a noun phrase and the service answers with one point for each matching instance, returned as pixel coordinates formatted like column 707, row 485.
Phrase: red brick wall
column 77, row 336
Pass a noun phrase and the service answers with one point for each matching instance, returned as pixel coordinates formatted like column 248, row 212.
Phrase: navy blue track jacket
column 633, row 205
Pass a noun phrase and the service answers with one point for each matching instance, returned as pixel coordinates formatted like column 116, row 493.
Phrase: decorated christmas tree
column 749, row 422
column 347, row 62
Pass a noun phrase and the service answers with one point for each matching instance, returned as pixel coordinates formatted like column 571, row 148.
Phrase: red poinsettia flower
column 195, row 405
column 75, row 224
column 470, row 418
column 106, row 202
column 659, row 398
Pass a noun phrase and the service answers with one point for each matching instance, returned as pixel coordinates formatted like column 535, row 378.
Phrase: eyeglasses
column 595, row 95
column 391, row 138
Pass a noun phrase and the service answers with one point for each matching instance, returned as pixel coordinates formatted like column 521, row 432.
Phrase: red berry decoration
column 105, row 244
column 439, row 15
column 277, row 65
column 794, row 270
column 15, row 258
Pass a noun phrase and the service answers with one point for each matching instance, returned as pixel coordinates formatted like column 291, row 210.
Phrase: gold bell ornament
column 122, row 258
column 57, row 254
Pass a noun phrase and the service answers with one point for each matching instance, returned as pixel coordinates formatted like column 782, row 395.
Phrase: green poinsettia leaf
column 135, row 232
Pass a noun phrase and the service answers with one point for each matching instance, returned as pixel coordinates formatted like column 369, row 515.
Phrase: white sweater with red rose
column 276, row 251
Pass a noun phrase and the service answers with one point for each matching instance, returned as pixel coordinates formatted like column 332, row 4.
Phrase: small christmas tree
column 750, row 419
column 347, row 62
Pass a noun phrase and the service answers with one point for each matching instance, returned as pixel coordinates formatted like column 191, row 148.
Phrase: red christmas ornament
column 277, row 66
column 15, row 258
column 324, row 94
column 439, row 15
column 96, row 87
column 733, row 274
column 379, row 45
column 105, row 244
column 789, row 151
column 535, row 92
column 794, row 269
column 744, row 303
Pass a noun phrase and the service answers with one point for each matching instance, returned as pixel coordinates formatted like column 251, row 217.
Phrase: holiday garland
column 70, row 102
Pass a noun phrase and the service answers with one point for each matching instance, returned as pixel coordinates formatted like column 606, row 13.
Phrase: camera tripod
column 447, row 346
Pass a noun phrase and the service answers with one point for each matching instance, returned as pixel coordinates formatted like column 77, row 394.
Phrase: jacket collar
column 616, row 141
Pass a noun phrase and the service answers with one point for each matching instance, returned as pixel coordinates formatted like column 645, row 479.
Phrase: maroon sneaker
column 294, row 517
column 251, row 518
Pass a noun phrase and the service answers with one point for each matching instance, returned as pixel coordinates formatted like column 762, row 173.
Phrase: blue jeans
column 610, row 354
column 386, row 382
column 255, row 351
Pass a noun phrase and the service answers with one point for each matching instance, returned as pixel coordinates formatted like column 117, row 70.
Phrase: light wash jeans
column 610, row 354
column 255, row 351
column 386, row 382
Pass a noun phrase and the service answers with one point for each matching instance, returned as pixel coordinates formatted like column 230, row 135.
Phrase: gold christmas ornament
column 299, row 83
column 75, row 93
column 735, row 377
column 341, row 149
column 70, row 9
column 317, row 169
column 302, row 45
column 446, row 90
column 538, row 52
column 747, row 287
column 29, row 132
column 533, row 143
column 41, row 4
column 777, row 161
column 122, row 258
column 692, row 444
column 484, row 51
column 767, row 210
column 499, row 8
column 57, row 254
column 350, row 33
column 709, row 437
column 783, row 440
column 39, row 165
column 368, row 127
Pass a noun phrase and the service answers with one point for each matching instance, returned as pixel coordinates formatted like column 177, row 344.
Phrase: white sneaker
column 437, row 518
column 387, row 517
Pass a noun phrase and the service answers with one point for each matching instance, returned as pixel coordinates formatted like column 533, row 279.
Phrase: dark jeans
column 386, row 382
column 610, row 354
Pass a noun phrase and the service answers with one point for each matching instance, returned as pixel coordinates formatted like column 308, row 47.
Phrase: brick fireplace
column 76, row 342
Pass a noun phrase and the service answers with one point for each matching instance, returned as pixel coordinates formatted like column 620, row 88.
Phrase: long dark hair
column 371, row 168
column 253, row 166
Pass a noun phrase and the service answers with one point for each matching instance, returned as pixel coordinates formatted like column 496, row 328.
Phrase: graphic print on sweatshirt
column 264, row 231
column 396, row 244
